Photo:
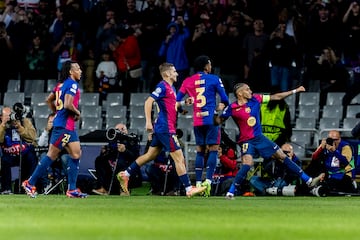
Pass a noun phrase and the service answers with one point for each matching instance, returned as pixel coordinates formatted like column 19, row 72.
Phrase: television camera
column 113, row 135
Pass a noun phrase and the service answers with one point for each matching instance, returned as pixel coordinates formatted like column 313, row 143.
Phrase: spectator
column 281, row 50
column 20, row 31
column 67, row 49
column 153, row 28
column 116, row 157
column 36, row 59
column 106, row 33
column 254, row 41
column 17, row 136
column 275, row 175
column 329, row 73
column 6, row 61
column 106, row 74
column 126, row 53
column 351, row 21
column 227, row 166
column 335, row 158
column 203, row 88
column 173, row 48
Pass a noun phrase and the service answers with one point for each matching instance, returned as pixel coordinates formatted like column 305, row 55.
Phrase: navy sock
column 73, row 171
column 296, row 169
column 185, row 180
column 40, row 169
column 199, row 166
column 240, row 176
column 211, row 164
column 133, row 167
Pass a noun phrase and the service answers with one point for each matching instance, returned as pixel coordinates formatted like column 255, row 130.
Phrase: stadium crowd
column 272, row 45
column 256, row 41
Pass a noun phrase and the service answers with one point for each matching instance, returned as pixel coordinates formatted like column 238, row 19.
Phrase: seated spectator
column 115, row 157
column 335, row 158
column 106, row 73
column 275, row 175
column 17, row 135
column 227, row 166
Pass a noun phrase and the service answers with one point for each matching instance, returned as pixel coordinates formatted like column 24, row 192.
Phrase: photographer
column 120, row 152
column 227, row 166
column 334, row 156
column 276, row 177
column 16, row 130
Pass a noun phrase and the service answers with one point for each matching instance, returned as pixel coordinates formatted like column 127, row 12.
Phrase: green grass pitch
column 154, row 217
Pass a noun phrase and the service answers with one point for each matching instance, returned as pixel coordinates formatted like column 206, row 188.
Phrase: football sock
column 211, row 164
column 296, row 169
column 240, row 176
column 199, row 166
column 73, row 171
column 40, row 169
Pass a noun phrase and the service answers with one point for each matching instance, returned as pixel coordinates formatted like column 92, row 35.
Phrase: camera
column 113, row 134
column 19, row 111
column 330, row 141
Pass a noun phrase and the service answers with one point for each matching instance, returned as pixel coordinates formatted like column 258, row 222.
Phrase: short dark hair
column 200, row 62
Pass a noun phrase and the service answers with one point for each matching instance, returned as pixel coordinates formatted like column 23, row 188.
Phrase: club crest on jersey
column 247, row 110
column 251, row 121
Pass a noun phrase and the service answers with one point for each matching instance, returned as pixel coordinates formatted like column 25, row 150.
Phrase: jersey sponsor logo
column 157, row 91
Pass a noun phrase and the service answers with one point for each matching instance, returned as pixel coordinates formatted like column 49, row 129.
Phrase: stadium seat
column 111, row 122
column 50, row 84
column 309, row 111
column 309, row 98
column 41, row 111
column 90, row 111
column 114, row 99
column 137, row 123
column 291, row 100
column 13, row 97
column 91, row 123
column 300, row 136
column 40, row 124
column 334, row 98
column 333, row 111
column 350, row 123
column 39, row 98
column 116, row 111
column 329, row 123
column 305, row 123
column 92, row 99
column 31, row 86
column 352, row 110
column 138, row 99
column 355, row 100
column 14, row 85
column 136, row 111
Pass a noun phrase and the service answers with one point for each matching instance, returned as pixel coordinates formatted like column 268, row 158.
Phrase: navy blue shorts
column 61, row 136
column 168, row 141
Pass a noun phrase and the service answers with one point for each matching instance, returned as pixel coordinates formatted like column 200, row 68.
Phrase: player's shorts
column 61, row 136
column 168, row 141
column 259, row 146
column 207, row 135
